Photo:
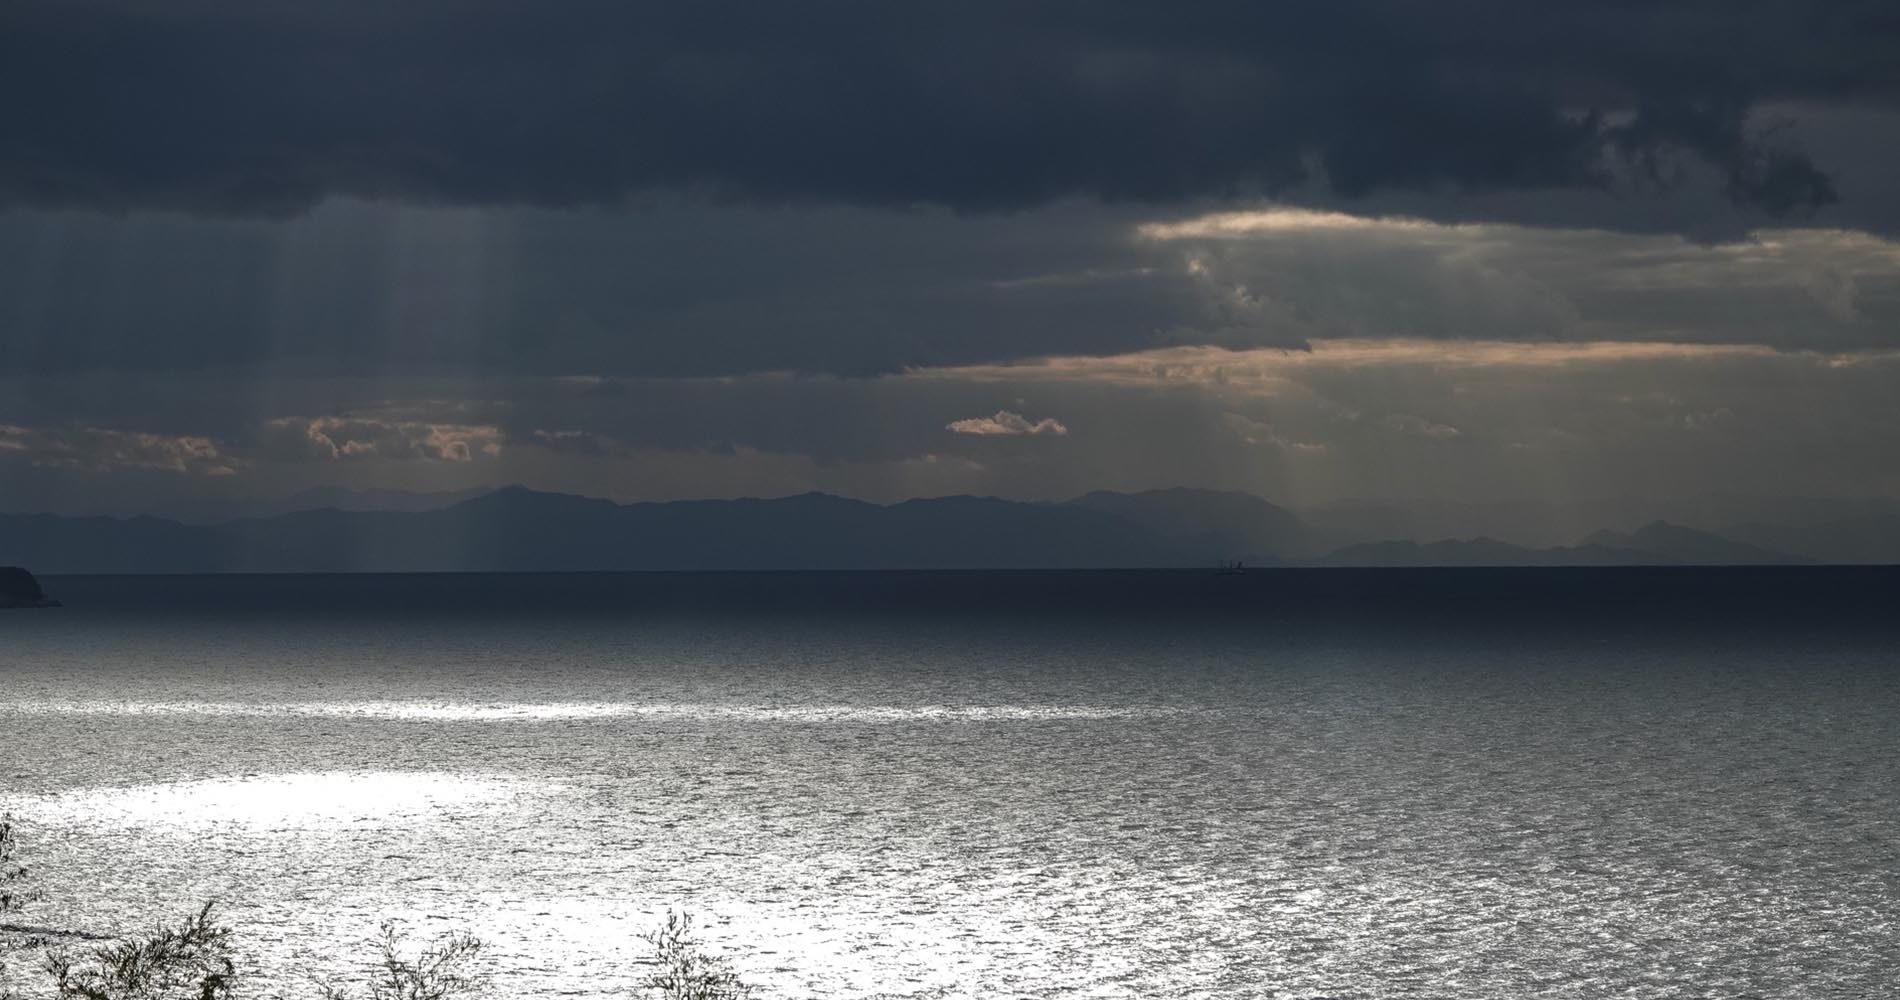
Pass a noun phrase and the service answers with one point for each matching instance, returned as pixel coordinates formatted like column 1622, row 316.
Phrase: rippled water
column 966, row 803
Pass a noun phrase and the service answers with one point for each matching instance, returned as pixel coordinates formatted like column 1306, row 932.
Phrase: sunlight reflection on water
column 862, row 811
column 284, row 800
column 576, row 710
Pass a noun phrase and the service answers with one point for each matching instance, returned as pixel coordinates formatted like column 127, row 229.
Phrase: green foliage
column 686, row 971
column 438, row 972
column 191, row 961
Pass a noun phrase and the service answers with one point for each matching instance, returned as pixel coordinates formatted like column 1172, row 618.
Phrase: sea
column 1423, row 783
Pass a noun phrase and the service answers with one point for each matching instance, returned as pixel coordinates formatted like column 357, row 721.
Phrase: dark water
column 1543, row 783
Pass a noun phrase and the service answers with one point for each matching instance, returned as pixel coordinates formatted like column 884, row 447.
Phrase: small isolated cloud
column 1407, row 423
column 1260, row 434
column 1006, row 424
column 304, row 438
column 100, row 449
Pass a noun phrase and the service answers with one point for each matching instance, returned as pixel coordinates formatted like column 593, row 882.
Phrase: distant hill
column 318, row 498
column 1482, row 552
column 1858, row 537
column 1657, row 544
column 1689, row 546
column 1839, row 530
column 1218, row 525
column 517, row 529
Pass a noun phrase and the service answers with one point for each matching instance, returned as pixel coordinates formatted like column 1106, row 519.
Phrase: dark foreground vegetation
column 197, row 958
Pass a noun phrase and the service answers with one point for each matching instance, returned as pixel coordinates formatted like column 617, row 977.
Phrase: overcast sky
column 1352, row 249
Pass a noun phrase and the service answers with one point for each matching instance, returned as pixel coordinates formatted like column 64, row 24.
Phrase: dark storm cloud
column 247, row 107
column 680, row 288
column 672, row 289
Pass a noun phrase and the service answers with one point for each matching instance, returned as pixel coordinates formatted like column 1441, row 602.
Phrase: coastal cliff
column 18, row 589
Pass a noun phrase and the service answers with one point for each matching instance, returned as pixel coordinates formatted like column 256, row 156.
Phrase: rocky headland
column 18, row 589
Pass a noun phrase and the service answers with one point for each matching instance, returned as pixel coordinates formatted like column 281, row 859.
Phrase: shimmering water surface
column 1445, row 785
